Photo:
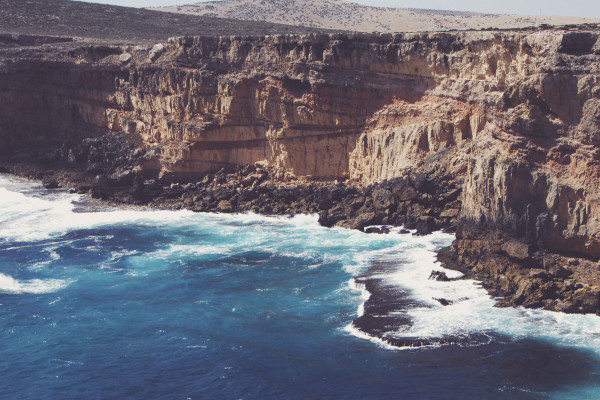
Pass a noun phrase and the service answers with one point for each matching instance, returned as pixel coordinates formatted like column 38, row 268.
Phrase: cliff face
column 535, row 171
column 329, row 106
column 516, row 115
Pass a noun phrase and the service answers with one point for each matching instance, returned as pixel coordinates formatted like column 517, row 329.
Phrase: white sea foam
column 352, row 330
column 39, row 219
column 364, row 294
column 471, row 312
column 185, row 250
column 25, row 215
column 10, row 285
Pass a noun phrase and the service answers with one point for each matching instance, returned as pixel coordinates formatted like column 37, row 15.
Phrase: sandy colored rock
column 516, row 249
column 125, row 58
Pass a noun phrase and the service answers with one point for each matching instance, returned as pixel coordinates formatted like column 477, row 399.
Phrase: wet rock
column 325, row 204
column 438, row 276
column 425, row 225
column 443, row 301
column 360, row 221
column 378, row 230
column 50, row 182
column 327, row 220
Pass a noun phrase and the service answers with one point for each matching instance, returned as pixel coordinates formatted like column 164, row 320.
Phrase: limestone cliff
column 514, row 115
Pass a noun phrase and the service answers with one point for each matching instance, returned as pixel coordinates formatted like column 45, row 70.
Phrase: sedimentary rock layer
column 515, row 116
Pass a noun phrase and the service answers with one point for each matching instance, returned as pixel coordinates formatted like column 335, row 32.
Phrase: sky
column 583, row 8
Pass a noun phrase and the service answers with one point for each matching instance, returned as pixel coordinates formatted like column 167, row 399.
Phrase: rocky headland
column 492, row 135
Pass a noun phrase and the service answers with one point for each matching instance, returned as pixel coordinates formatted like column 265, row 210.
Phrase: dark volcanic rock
column 378, row 230
column 50, row 182
column 438, row 276
column 443, row 302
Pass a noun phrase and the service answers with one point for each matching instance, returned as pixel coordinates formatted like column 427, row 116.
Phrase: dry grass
column 345, row 15
column 73, row 18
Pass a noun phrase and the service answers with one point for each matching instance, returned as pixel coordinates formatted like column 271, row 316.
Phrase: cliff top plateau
column 349, row 16
column 98, row 21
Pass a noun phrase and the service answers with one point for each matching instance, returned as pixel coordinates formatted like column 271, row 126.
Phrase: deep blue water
column 137, row 304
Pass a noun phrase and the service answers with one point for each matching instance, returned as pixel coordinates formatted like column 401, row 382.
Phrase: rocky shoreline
column 522, row 275
column 108, row 168
column 492, row 135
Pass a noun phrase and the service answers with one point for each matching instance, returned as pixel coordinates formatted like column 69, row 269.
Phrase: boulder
column 516, row 249
column 450, row 213
column 50, row 182
column 438, row 276
column 539, row 274
column 378, row 230
column 559, row 271
column 425, row 225
column 123, row 178
column 361, row 220
column 125, row 58
column 156, row 52
column 382, row 198
column 224, row 206
column 248, row 195
column 408, row 193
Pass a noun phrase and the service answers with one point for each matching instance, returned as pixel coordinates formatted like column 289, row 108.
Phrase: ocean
column 129, row 303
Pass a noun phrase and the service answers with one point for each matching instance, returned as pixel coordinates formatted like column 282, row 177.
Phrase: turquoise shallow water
column 144, row 304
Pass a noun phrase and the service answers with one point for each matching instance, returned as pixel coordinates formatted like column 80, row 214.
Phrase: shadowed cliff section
column 89, row 20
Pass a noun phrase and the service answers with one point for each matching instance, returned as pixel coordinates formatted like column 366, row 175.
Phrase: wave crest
column 10, row 285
